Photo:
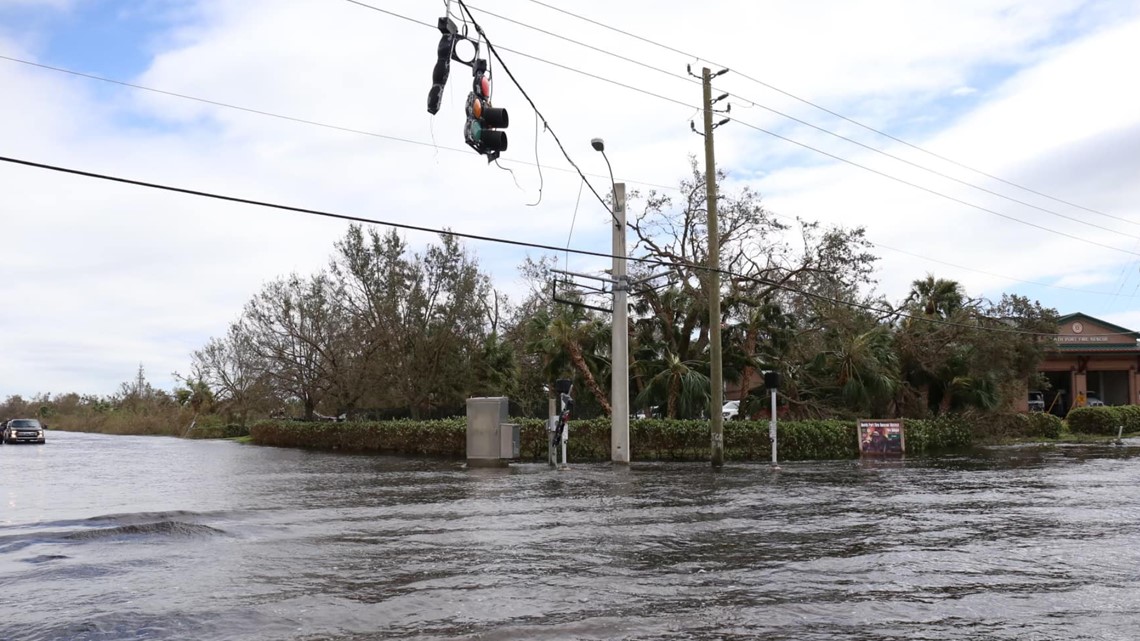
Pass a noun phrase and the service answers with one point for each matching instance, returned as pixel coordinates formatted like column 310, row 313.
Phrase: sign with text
column 881, row 436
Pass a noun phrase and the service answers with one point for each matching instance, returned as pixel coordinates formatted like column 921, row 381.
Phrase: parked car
column 730, row 410
column 650, row 412
column 1093, row 400
column 1036, row 401
column 23, row 430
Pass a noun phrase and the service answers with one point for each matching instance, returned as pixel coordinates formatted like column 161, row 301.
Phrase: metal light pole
column 619, row 338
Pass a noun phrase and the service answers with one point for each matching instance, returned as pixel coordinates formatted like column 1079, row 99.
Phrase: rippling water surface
column 108, row 538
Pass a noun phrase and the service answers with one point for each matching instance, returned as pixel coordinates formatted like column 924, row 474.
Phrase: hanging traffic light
column 484, row 122
column 442, row 69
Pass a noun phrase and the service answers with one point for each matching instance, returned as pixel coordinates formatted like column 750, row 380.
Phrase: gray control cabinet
column 491, row 440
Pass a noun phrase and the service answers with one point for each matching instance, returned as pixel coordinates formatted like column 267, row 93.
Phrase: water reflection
column 165, row 539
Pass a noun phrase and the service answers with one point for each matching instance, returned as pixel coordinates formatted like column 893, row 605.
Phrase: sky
column 1010, row 163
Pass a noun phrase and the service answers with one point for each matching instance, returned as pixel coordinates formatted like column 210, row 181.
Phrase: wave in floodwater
column 257, row 544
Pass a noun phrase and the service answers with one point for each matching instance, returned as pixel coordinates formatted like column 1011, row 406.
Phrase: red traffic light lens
column 485, row 86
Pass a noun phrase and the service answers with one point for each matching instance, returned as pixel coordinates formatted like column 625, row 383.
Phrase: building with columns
column 1094, row 359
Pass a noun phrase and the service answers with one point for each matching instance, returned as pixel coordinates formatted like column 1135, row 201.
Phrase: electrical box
column 491, row 441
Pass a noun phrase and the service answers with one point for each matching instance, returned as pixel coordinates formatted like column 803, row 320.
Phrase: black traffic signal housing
column 483, row 131
column 444, row 52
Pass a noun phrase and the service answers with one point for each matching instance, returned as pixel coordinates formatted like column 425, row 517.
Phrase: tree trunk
column 591, row 384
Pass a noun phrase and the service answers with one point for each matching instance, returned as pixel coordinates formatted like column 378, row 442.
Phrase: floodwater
column 110, row 538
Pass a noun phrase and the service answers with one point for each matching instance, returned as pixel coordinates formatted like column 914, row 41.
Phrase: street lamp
column 619, row 338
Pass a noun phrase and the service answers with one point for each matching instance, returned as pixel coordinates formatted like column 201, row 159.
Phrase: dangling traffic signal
column 484, row 122
column 442, row 69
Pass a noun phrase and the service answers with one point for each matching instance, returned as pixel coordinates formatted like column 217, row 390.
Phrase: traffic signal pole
column 712, row 281
column 619, row 370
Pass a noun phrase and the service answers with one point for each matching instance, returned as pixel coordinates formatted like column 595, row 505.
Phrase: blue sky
column 95, row 36
column 1029, row 91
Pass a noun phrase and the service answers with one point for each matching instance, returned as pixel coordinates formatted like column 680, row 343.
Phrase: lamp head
column 598, row 144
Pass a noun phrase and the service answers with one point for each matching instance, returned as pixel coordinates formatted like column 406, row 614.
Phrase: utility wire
column 491, row 48
column 933, row 191
column 823, row 109
column 803, row 145
column 545, row 122
column 516, row 243
column 453, row 149
column 970, row 269
column 315, row 123
column 811, row 125
column 261, row 112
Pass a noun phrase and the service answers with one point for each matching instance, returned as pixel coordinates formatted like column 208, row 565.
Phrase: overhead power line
column 929, row 259
column 824, row 109
column 303, row 121
column 261, row 112
column 824, row 130
column 934, row 191
column 270, row 114
column 507, row 241
column 819, row 151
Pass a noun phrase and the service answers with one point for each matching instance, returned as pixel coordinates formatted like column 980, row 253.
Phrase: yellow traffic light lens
column 477, row 108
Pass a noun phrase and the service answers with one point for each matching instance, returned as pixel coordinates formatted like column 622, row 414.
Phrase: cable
column 933, row 191
column 405, row 140
column 516, row 243
column 970, row 269
column 790, row 140
column 301, row 210
column 824, row 109
column 294, row 119
column 491, row 48
column 814, row 126
column 541, row 180
column 573, row 221
column 545, row 122
column 420, row 143
column 979, row 271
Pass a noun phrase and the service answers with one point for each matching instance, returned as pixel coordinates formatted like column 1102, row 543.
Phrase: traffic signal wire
column 814, row 149
column 818, row 128
column 941, row 194
column 654, row 262
column 545, row 122
column 963, row 267
column 495, row 54
column 304, row 121
column 825, row 110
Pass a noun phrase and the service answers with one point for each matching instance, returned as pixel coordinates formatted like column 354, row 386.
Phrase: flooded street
column 109, row 538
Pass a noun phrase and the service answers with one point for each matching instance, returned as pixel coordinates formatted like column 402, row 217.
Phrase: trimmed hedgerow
column 1103, row 420
column 445, row 438
column 1044, row 425
column 650, row 439
column 1002, row 426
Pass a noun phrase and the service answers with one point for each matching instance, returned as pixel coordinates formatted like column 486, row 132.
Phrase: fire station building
column 1094, row 362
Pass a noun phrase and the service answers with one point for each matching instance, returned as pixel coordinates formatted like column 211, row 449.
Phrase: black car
column 23, row 430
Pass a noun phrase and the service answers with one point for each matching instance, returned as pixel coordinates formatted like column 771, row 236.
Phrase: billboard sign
column 881, row 436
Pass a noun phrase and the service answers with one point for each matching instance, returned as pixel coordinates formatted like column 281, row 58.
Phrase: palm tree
column 936, row 296
column 685, row 390
column 561, row 339
column 867, row 370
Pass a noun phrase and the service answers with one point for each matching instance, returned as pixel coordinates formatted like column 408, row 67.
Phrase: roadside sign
column 878, row 437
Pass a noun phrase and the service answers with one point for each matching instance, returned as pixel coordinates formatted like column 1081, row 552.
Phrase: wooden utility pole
column 712, row 283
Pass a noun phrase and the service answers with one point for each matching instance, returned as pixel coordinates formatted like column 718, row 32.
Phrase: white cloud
column 112, row 275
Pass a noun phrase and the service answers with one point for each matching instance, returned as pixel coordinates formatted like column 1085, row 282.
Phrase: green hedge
column 1002, row 426
column 1104, row 420
column 650, row 439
